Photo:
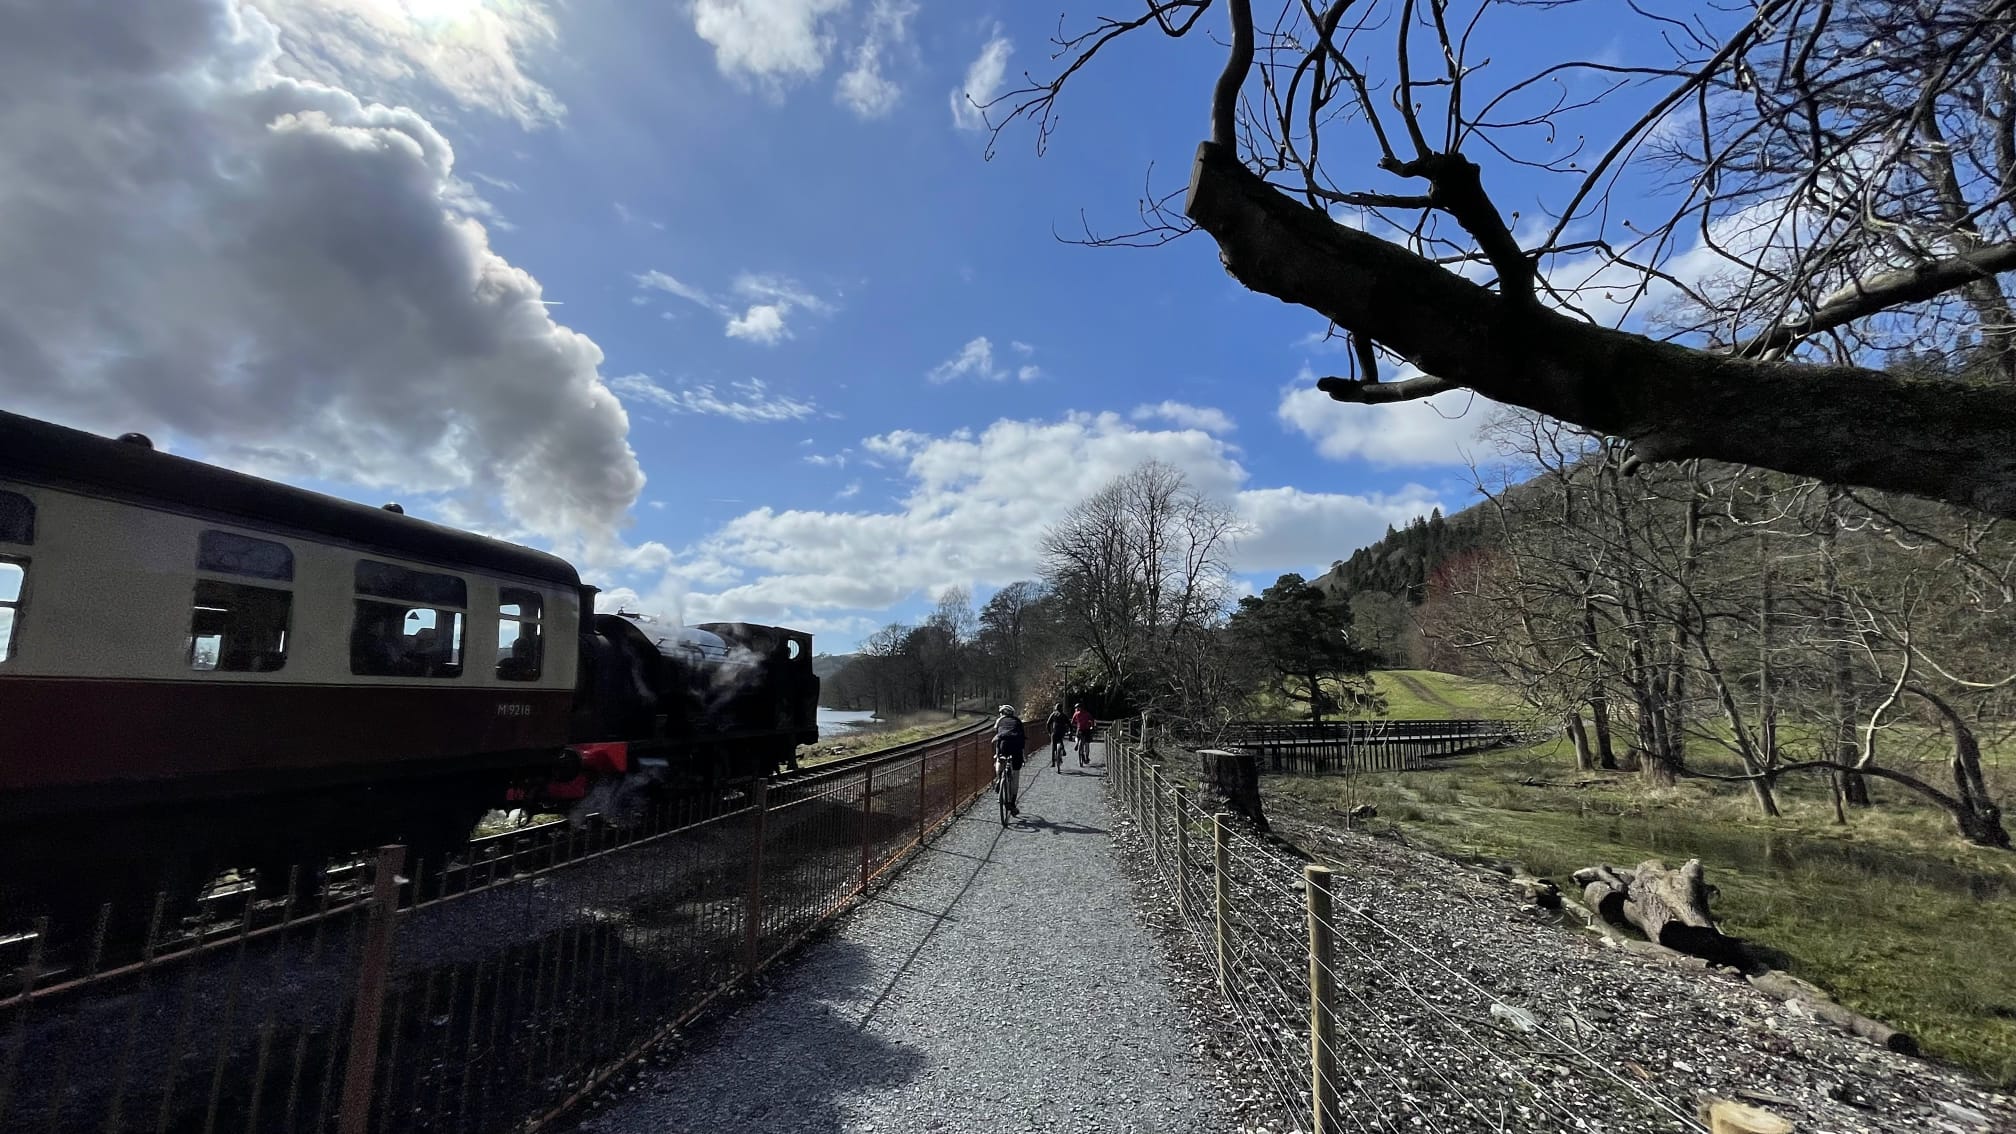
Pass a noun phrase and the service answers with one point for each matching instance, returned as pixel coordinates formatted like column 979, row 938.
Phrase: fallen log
column 1813, row 999
column 1670, row 907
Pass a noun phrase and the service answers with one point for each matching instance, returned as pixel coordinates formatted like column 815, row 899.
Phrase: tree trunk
column 1585, row 760
column 1847, row 714
column 1669, row 907
column 1232, row 783
column 1976, row 812
column 1599, row 697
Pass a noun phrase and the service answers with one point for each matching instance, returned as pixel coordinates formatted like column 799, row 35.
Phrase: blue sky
column 852, row 361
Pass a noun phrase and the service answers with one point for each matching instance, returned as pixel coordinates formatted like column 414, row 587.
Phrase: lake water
column 839, row 722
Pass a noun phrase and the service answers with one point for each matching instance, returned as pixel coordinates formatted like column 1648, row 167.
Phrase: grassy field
column 881, row 735
column 1417, row 695
column 1893, row 914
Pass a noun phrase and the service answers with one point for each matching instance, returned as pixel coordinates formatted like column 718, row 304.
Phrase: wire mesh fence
column 492, row 1005
column 1350, row 1024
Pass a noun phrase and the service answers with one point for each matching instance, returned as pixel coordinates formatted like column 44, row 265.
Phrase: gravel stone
column 1004, row 981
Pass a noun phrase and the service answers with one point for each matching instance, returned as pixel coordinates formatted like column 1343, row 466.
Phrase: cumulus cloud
column 280, row 274
column 749, row 400
column 771, row 41
column 983, row 83
column 761, row 303
column 392, row 49
column 1185, row 416
column 969, row 506
column 864, row 89
column 1432, row 431
column 976, row 360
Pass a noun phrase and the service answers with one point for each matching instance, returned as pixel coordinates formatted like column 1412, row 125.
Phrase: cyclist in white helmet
column 1008, row 740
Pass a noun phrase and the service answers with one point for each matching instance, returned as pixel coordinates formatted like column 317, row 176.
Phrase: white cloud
column 750, row 400
column 387, row 49
column 772, row 41
column 983, row 83
column 852, row 490
column 864, row 89
column 1184, row 416
column 976, row 360
column 660, row 281
column 1431, row 431
column 766, row 300
column 762, row 323
column 973, row 505
column 276, row 273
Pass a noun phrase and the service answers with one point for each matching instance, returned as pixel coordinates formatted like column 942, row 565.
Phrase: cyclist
column 1008, row 740
column 1060, row 727
column 1081, row 722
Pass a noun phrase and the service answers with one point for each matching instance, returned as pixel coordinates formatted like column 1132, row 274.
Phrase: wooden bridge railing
column 1362, row 745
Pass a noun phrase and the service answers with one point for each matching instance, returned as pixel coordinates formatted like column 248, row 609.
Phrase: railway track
column 231, row 912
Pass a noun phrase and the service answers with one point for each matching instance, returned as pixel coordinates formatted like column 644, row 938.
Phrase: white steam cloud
column 279, row 272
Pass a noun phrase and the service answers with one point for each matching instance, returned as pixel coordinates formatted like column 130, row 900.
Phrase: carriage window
column 518, row 643
column 421, row 588
column 419, row 634
column 238, row 628
column 228, row 553
column 12, row 575
column 17, row 518
column 395, row 640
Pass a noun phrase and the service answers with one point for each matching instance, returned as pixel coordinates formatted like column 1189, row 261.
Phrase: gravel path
column 1002, row 982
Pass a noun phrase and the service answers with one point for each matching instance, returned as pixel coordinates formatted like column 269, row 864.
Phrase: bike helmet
column 1007, row 710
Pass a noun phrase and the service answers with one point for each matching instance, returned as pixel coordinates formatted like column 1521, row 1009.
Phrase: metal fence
column 1363, row 746
column 1351, row 1025
column 494, row 1004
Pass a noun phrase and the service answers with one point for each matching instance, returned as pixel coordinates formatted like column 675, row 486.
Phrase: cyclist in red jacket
column 1081, row 722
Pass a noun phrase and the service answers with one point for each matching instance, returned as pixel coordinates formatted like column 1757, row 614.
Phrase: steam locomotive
column 201, row 669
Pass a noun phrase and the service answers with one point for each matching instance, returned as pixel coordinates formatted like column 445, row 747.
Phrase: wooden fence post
column 1221, row 859
column 752, row 913
column 1322, row 1003
column 923, row 777
column 1155, row 813
column 361, row 1069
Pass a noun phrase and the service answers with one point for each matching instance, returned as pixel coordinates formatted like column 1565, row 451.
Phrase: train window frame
column 221, row 552
column 524, row 609
column 230, row 597
column 17, row 518
column 423, row 589
column 13, row 606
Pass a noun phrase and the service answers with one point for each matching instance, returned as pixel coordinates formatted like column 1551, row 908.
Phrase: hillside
column 826, row 665
column 1402, row 562
column 1425, row 695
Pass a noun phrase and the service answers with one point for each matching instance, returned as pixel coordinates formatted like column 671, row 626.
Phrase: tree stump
column 1231, row 782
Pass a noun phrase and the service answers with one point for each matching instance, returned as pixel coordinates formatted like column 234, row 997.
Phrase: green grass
column 1894, row 915
column 1425, row 695
column 1414, row 695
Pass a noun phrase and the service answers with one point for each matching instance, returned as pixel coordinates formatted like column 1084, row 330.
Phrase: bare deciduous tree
column 1846, row 165
column 1139, row 572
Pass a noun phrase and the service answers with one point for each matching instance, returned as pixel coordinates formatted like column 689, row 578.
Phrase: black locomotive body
column 201, row 669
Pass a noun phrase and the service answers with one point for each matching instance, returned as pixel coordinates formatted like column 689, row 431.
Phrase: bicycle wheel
column 1001, row 789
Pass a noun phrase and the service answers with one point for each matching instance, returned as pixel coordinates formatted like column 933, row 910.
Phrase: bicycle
column 1005, row 783
column 1057, row 754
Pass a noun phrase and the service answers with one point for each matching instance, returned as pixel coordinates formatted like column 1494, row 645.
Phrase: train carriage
column 201, row 668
